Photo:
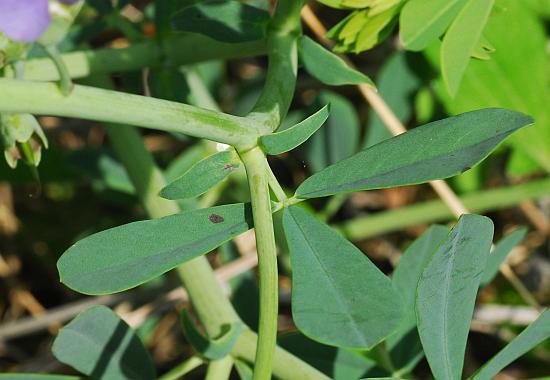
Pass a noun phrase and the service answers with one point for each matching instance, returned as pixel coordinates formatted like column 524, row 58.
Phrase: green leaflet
column 327, row 66
column 404, row 345
column 423, row 21
column 461, row 39
column 436, row 150
column 126, row 256
column 446, row 294
column 289, row 139
column 216, row 348
column 223, row 20
column 412, row 264
column 537, row 332
column 335, row 287
column 515, row 77
column 499, row 254
column 377, row 27
column 101, row 345
column 202, row 176
column 366, row 27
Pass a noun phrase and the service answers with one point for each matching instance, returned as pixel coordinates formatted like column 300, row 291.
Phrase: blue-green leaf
column 335, row 287
column 223, row 20
column 126, row 256
column 327, row 66
column 202, row 176
column 101, row 345
column 433, row 151
column 292, row 137
column 461, row 39
column 446, row 294
column 404, row 345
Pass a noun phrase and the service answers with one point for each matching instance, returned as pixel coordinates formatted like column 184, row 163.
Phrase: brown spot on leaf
column 229, row 167
column 215, row 218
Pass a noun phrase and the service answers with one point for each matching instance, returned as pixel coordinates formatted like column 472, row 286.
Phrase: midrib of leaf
column 332, row 287
column 430, row 22
column 100, row 347
column 343, row 187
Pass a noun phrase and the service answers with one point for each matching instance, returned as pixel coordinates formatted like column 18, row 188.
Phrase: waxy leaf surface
column 202, row 176
column 423, row 21
column 404, row 345
column 499, row 254
column 446, row 294
column 461, row 39
column 433, row 151
column 327, row 66
column 223, row 20
column 534, row 334
column 339, row 297
column 294, row 136
column 126, row 256
column 101, row 345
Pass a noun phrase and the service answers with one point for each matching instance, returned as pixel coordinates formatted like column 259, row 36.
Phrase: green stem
column 212, row 307
column 65, row 82
column 434, row 211
column 255, row 165
column 183, row 369
column 219, row 369
column 282, row 45
column 91, row 103
column 175, row 50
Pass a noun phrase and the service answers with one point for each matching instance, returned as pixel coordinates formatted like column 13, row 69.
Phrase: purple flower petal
column 24, row 20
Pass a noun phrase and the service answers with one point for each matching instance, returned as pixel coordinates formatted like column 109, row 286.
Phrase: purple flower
column 25, row 20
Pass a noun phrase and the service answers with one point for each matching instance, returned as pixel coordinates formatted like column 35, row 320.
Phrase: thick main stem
column 17, row 96
column 254, row 162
